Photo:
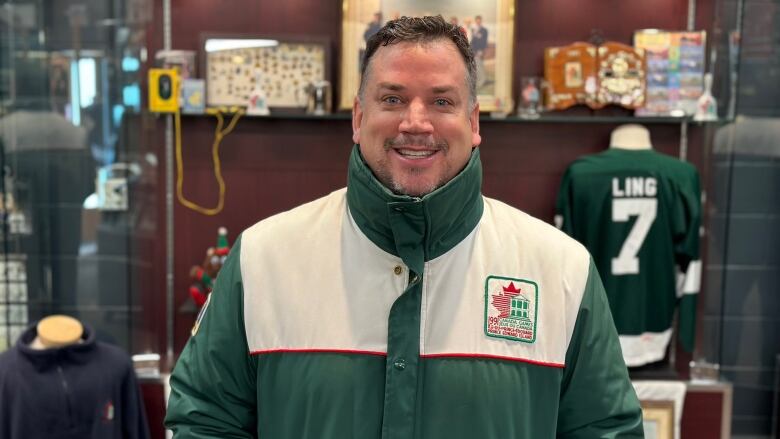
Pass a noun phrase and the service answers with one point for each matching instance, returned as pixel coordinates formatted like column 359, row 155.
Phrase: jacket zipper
column 66, row 391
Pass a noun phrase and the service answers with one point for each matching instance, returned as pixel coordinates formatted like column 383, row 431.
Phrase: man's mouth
column 415, row 154
column 416, row 147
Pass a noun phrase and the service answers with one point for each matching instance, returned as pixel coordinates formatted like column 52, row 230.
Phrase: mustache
column 404, row 140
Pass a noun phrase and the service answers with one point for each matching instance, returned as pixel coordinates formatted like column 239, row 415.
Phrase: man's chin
column 418, row 189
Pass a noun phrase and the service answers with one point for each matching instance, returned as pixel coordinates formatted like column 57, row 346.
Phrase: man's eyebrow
column 442, row 89
column 391, row 86
column 398, row 87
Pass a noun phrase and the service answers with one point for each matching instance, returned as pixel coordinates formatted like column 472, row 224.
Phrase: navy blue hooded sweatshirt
column 85, row 390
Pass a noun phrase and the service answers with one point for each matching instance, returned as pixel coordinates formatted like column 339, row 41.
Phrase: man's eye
column 392, row 100
column 441, row 102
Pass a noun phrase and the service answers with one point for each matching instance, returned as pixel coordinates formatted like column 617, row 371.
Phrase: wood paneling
column 707, row 411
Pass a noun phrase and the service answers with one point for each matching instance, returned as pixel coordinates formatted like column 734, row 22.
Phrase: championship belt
column 621, row 76
column 570, row 72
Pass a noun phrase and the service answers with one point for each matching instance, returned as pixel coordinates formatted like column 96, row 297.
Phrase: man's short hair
column 421, row 30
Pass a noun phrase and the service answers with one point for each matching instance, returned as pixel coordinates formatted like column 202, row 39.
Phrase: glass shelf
column 544, row 118
column 561, row 118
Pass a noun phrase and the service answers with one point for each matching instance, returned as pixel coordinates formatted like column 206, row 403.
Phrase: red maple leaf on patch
column 502, row 301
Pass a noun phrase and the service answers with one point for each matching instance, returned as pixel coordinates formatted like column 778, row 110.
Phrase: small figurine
column 258, row 101
column 707, row 106
column 530, row 98
column 503, row 106
column 203, row 276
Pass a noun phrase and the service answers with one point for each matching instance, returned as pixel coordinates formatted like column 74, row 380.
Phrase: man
column 479, row 43
column 373, row 27
column 454, row 22
column 50, row 159
column 408, row 305
column 479, row 37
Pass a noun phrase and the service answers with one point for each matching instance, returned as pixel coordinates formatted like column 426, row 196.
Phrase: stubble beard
column 385, row 175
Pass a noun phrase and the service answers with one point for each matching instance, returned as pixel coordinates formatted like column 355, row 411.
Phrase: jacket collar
column 415, row 229
column 43, row 359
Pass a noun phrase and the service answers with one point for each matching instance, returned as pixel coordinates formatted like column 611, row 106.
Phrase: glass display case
column 80, row 188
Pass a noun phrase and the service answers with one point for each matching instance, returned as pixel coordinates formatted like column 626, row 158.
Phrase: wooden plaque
column 570, row 72
column 621, row 76
column 596, row 76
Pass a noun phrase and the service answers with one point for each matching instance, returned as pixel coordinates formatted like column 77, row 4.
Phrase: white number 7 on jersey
column 623, row 208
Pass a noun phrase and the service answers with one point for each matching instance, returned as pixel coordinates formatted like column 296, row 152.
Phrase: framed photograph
column 488, row 25
column 234, row 66
column 658, row 419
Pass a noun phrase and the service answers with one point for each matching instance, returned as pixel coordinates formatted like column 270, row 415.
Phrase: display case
column 80, row 211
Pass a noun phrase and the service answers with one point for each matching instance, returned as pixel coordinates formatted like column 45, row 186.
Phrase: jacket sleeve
column 213, row 385
column 597, row 398
column 687, row 256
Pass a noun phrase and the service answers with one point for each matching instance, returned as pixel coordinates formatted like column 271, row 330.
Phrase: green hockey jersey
column 638, row 212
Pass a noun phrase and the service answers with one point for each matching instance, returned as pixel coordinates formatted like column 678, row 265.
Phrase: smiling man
column 415, row 117
column 407, row 305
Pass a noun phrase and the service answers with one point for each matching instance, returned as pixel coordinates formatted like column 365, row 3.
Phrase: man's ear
column 357, row 120
column 476, row 139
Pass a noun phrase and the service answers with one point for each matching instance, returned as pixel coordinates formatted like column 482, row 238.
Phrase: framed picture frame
column 232, row 65
column 488, row 25
column 658, row 419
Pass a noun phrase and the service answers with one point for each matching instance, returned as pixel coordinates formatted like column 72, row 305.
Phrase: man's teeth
column 415, row 153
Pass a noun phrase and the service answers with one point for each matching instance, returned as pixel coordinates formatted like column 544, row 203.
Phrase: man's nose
column 415, row 118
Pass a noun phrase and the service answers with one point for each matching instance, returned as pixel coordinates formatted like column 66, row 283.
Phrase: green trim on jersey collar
column 400, row 224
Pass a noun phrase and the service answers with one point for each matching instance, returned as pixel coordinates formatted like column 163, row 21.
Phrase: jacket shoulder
column 298, row 223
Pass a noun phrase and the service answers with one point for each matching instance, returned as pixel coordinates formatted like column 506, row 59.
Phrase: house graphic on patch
column 519, row 304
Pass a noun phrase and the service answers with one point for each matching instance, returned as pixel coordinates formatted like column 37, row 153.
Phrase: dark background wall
column 271, row 165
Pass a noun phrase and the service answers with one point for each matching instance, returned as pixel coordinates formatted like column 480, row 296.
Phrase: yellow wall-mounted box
column 163, row 90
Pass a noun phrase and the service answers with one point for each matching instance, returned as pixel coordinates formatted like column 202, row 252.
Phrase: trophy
column 530, row 98
column 319, row 98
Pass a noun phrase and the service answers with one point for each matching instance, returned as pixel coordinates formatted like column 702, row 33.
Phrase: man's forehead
column 423, row 44
column 390, row 56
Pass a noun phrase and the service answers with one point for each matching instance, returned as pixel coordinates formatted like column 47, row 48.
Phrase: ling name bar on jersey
column 634, row 187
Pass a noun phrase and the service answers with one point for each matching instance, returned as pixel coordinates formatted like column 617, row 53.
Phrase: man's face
column 414, row 124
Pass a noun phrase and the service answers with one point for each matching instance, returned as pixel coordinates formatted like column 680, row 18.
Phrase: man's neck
column 433, row 223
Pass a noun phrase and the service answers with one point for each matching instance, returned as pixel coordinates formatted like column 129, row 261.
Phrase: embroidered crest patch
column 107, row 413
column 510, row 308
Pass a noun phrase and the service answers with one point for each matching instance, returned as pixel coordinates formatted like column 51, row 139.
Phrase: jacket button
column 398, row 269
column 415, row 278
column 400, row 364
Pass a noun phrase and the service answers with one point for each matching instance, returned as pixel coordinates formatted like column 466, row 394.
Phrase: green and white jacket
column 366, row 314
